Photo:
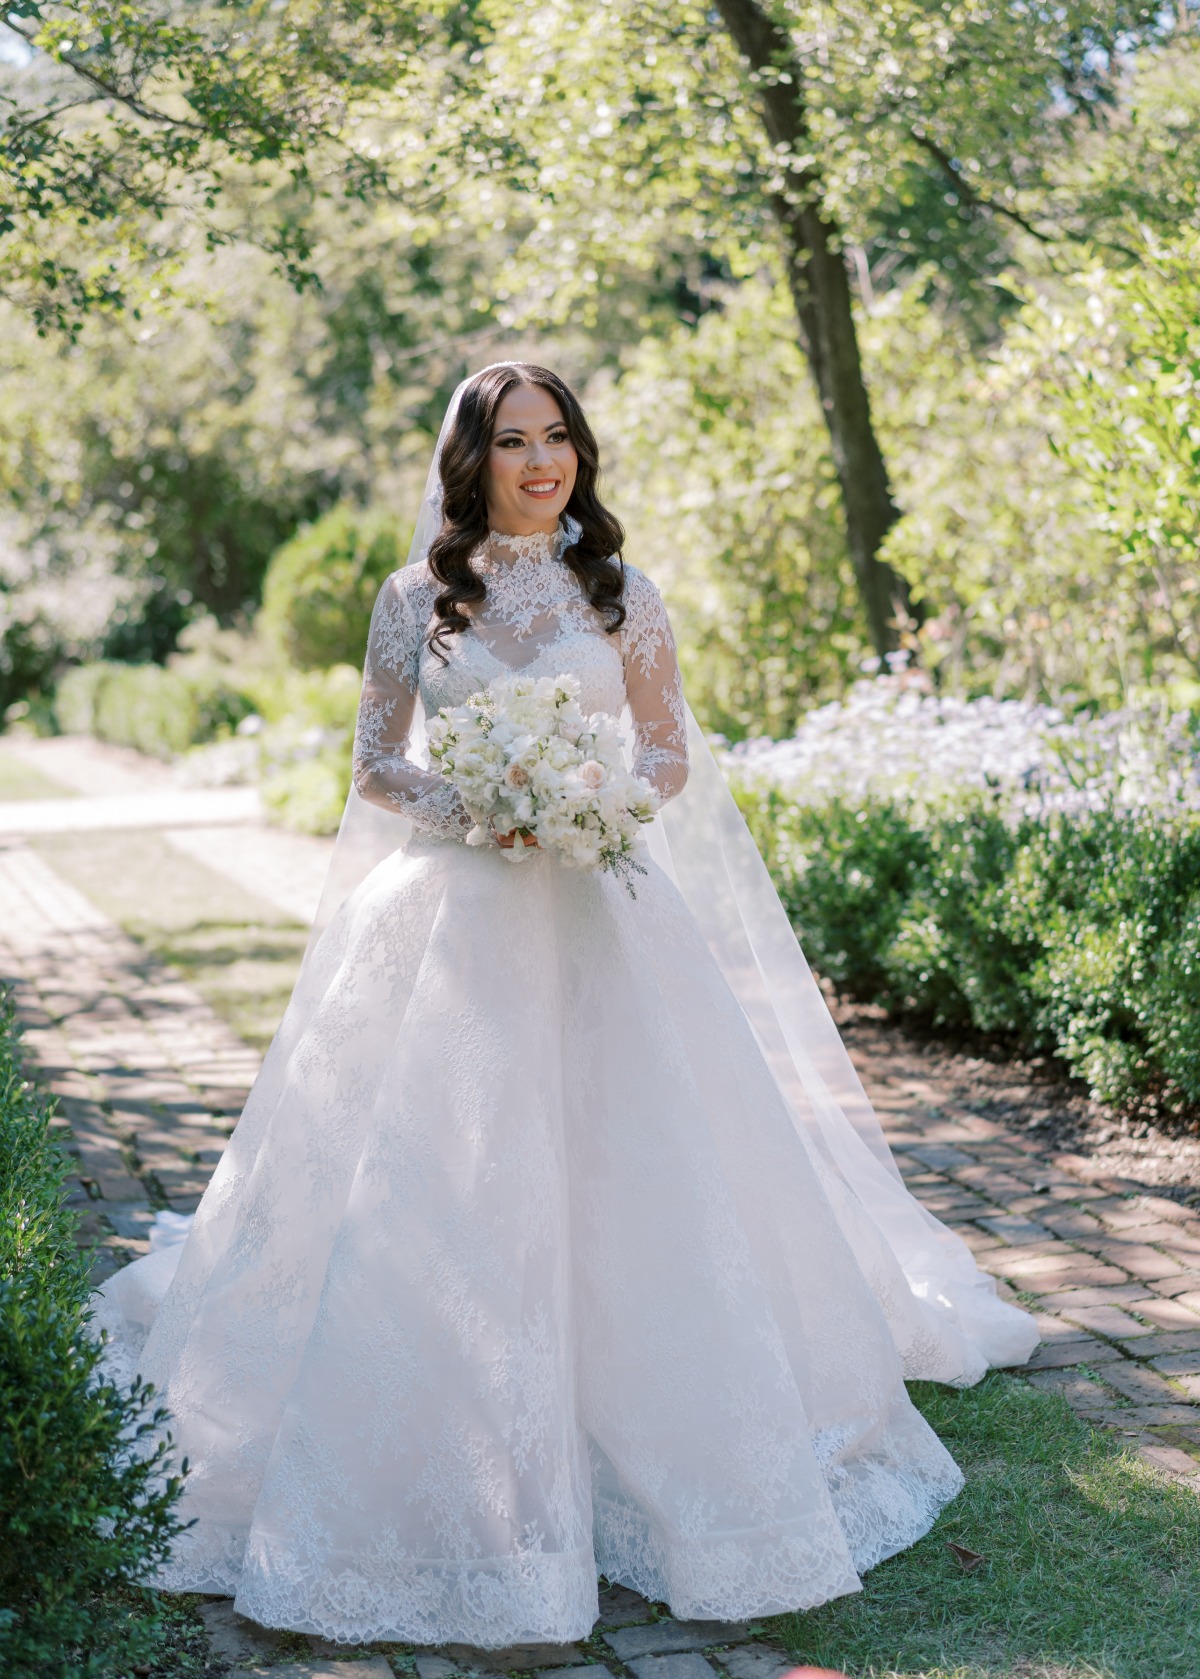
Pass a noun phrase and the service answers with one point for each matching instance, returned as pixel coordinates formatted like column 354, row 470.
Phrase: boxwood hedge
column 86, row 1503
column 1079, row 936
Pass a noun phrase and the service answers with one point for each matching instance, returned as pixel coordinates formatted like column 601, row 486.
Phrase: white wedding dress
column 520, row 1266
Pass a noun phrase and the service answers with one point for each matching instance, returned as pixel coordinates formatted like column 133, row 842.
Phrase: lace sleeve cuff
column 438, row 812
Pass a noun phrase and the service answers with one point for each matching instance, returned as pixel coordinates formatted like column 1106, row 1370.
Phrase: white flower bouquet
column 526, row 761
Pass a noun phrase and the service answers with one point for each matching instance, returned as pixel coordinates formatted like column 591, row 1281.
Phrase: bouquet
column 527, row 761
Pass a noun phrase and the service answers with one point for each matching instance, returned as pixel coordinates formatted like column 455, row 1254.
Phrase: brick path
column 147, row 1078
column 150, row 1082
column 1112, row 1274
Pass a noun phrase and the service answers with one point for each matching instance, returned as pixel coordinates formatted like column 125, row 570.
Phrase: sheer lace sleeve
column 654, row 689
column 383, row 772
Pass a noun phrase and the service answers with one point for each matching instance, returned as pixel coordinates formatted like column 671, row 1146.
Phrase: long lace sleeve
column 383, row 771
column 653, row 687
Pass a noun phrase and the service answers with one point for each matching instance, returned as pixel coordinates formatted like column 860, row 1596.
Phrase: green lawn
column 21, row 781
column 1093, row 1560
column 241, row 953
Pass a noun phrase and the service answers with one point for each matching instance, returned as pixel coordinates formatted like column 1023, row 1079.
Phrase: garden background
column 888, row 320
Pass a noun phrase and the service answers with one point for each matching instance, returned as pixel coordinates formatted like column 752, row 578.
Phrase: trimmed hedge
column 84, row 1508
column 1079, row 937
column 159, row 710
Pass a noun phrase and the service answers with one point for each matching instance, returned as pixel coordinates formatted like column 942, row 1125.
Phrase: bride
column 557, row 1237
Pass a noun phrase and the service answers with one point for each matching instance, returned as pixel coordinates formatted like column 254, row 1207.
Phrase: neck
column 541, row 544
column 544, row 527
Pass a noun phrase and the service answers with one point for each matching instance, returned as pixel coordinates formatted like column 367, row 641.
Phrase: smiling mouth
column 542, row 488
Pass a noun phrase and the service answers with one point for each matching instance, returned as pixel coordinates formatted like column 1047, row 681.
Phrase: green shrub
column 324, row 699
column 1117, row 901
column 309, row 796
column 1079, row 937
column 84, row 1510
column 845, row 877
column 148, row 707
column 159, row 709
column 320, row 587
column 75, row 698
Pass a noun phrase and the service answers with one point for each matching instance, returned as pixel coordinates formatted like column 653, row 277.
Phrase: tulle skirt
column 520, row 1268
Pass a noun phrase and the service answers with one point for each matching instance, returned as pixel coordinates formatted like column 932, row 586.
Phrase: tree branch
column 105, row 88
column 971, row 193
column 979, row 201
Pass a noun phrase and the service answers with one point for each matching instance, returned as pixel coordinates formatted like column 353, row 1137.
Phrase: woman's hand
column 507, row 841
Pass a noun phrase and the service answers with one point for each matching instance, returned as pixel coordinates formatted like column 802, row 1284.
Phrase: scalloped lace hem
column 880, row 1510
column 550, row 1598
column 488, row 1603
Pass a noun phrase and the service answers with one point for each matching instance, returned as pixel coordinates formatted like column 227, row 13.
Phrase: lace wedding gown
column 517, row 1267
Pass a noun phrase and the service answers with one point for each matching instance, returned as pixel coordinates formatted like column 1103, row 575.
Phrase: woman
column 557, row 1236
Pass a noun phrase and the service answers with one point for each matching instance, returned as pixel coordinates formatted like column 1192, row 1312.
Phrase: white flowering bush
column 889, row 739
column 527, row 761
column 996, row 865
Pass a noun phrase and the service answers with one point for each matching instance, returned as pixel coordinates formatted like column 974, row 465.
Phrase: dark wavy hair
column 595, row 557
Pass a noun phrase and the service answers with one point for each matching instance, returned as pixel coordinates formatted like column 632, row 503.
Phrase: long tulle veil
column 702, row 841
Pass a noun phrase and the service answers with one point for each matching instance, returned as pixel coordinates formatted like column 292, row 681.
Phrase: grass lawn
column 1093, row 1560
column 20, row 781
column 241, row 953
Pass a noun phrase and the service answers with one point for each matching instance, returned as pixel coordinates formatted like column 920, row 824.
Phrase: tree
column 820, row 286
column 636, row 114
column 622, row 136
column 1054, row 485
column 712, row 438
column 129, row 127
column 1130, row 380
column 150, row 466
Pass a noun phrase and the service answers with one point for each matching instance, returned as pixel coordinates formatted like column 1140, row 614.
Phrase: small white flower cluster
column 890, row 740
column 525, row 759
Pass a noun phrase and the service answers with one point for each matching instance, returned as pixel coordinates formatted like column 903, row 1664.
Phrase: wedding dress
column 517, row 1267
column 536, row 1254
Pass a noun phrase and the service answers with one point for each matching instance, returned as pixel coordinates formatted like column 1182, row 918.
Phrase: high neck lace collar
column 503, row 550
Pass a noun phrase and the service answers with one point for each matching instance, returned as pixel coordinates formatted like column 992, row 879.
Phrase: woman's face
column 530, row 468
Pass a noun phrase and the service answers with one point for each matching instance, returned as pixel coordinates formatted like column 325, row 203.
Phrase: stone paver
column 234, row 1639
column 620, row 1607
column 665, row 1637
column 586, row 1671
column 754, row 1661
column 375, row 1667
column 150, row 1082
column 1111, row 1273
column 687, row 1664
column 517, row 1658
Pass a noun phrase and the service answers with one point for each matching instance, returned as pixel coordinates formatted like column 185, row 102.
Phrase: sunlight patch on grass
column 241, row 953
column 1092, row 1560
column 245, row 974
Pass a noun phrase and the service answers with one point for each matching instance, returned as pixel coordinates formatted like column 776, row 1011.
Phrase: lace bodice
column 536, row 619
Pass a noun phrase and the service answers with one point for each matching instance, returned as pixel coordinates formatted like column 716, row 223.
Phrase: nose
column 538, row 452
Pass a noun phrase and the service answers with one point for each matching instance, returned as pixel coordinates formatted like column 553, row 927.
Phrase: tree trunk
column 820, row 287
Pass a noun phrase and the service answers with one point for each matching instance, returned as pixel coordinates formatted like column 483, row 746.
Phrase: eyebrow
column 518, row 431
